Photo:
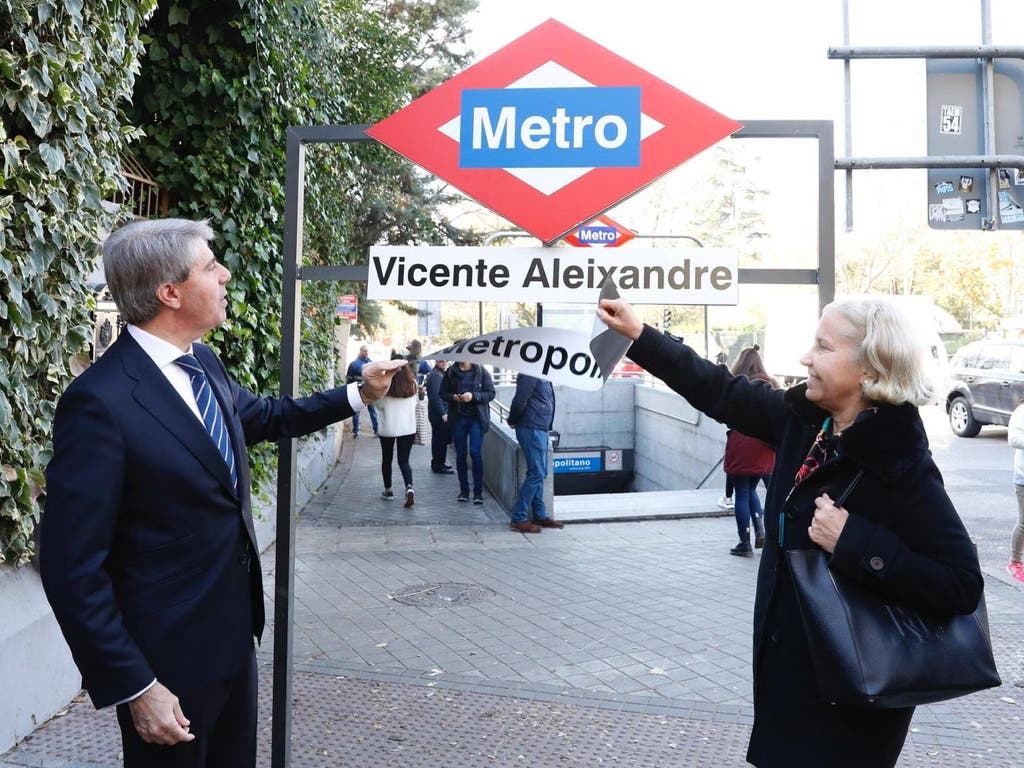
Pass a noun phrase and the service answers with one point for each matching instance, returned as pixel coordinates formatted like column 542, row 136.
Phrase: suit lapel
column 155, row 394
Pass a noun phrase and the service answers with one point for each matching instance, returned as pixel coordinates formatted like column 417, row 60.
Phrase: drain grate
column 441, row 595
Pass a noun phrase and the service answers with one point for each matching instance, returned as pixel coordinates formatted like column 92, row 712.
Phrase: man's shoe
column 547, row 522
column 726, row 502
column 449, row 467
column 355, row 435
column 759, row 541
column 524, row 526
column 462, row 497
column 478, row 499
column 445, row 471
column 387, row 494
column 742, row 550
column 409, row 496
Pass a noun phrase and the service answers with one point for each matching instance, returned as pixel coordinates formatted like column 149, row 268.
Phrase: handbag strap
column 849, row 489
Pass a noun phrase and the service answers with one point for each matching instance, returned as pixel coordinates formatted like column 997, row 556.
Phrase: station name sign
column 568, row 275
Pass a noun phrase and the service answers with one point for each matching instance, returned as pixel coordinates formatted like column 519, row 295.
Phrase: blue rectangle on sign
column 550, row 128
column 597, row 235
column 561, row 465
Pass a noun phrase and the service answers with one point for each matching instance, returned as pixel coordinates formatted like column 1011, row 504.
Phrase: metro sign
column 602, row 232
column 552, row 130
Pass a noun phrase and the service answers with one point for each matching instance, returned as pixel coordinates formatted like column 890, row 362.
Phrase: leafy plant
column 66, row 69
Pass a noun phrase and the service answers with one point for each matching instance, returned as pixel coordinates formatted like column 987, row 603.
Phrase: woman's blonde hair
column 890, row 348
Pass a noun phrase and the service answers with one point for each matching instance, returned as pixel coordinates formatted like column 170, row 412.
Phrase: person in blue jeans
column 353, row 375
column 531, row 414
column 468, row 389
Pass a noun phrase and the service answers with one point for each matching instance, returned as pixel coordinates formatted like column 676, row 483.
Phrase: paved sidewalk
column 434, row 636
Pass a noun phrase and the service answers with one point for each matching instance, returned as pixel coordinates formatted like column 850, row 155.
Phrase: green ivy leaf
column 52, row 157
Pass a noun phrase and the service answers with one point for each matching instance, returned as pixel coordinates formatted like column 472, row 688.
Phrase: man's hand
column 377, row 378
column 158, row 717
column 618, row 315
column 827, row 524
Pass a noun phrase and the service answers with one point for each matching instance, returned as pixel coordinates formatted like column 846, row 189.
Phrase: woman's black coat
column 903, row 539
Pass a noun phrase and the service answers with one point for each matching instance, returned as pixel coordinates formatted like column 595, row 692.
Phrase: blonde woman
column 897, row 533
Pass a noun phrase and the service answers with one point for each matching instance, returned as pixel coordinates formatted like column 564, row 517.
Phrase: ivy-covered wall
column 207, row 105
column 67, row 67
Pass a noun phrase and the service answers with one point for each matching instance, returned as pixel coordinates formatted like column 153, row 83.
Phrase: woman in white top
column 1015, row 436
column 396, row 423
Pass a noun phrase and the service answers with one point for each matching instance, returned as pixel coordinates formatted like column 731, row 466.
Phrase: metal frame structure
column 986, row 53
column 294, row 273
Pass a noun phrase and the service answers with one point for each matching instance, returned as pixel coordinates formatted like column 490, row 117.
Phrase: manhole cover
column 442, row 595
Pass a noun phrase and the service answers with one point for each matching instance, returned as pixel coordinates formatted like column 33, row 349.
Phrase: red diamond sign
column 602, row 232
column 552, row 130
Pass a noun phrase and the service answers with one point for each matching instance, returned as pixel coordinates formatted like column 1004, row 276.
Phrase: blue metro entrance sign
column 552, row 130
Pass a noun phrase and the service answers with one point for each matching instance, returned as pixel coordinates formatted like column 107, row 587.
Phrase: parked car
column 986, row 384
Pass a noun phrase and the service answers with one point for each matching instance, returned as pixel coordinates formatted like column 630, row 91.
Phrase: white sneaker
column 725, row 502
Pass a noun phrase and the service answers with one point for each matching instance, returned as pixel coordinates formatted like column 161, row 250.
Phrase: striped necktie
column 210, row 411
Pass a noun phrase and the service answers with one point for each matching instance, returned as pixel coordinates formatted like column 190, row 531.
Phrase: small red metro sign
column 552, row 130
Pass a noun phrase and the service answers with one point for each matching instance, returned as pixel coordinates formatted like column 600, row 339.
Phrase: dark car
column 986, row 385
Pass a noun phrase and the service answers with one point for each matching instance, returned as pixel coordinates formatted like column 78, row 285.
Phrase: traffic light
column 666, row 318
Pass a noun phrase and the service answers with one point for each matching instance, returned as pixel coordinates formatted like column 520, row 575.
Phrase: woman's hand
column 619, row 316
column 827, row 524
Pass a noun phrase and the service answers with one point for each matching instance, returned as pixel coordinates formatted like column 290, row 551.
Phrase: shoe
column 742, row 550
column 449, row 467
column 1016, row 570
column 726, row 502
column 409, row 496
column 524, row 526
column 759, row 542
column 462, row 497
column 388, row 494
column 355, row 436
column 547, row 522
column 446, row 471
column 478, row 499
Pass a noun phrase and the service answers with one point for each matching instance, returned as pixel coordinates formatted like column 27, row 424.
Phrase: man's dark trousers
column 440, row 437
column 224, row 719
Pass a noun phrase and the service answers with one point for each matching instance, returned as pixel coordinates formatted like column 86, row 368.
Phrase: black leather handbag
column 869, row 652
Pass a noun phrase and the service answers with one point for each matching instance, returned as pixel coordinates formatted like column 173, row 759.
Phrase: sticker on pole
column 552, row 130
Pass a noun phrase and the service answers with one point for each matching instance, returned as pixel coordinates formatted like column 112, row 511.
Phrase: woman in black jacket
column 897, row 533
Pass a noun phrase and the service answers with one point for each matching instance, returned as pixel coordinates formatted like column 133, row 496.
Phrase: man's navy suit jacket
column 148, row 555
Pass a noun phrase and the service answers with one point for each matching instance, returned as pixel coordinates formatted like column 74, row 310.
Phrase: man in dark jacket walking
column 468, row 389
column 437, row 413
column 531, row 414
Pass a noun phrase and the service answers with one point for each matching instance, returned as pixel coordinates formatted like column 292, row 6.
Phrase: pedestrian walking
column 468, row 389
column 397, row 429
column 354, row 375
column 437, row 414
column 1015, row 437
column 747, row 461
column 531, row 414
column 897, row 534
column 148, row 553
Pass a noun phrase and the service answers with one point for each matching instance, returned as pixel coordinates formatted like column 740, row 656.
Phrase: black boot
column 743, row 549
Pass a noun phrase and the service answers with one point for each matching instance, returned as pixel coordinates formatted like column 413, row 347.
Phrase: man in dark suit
column 437, row 413
column 148, row 553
